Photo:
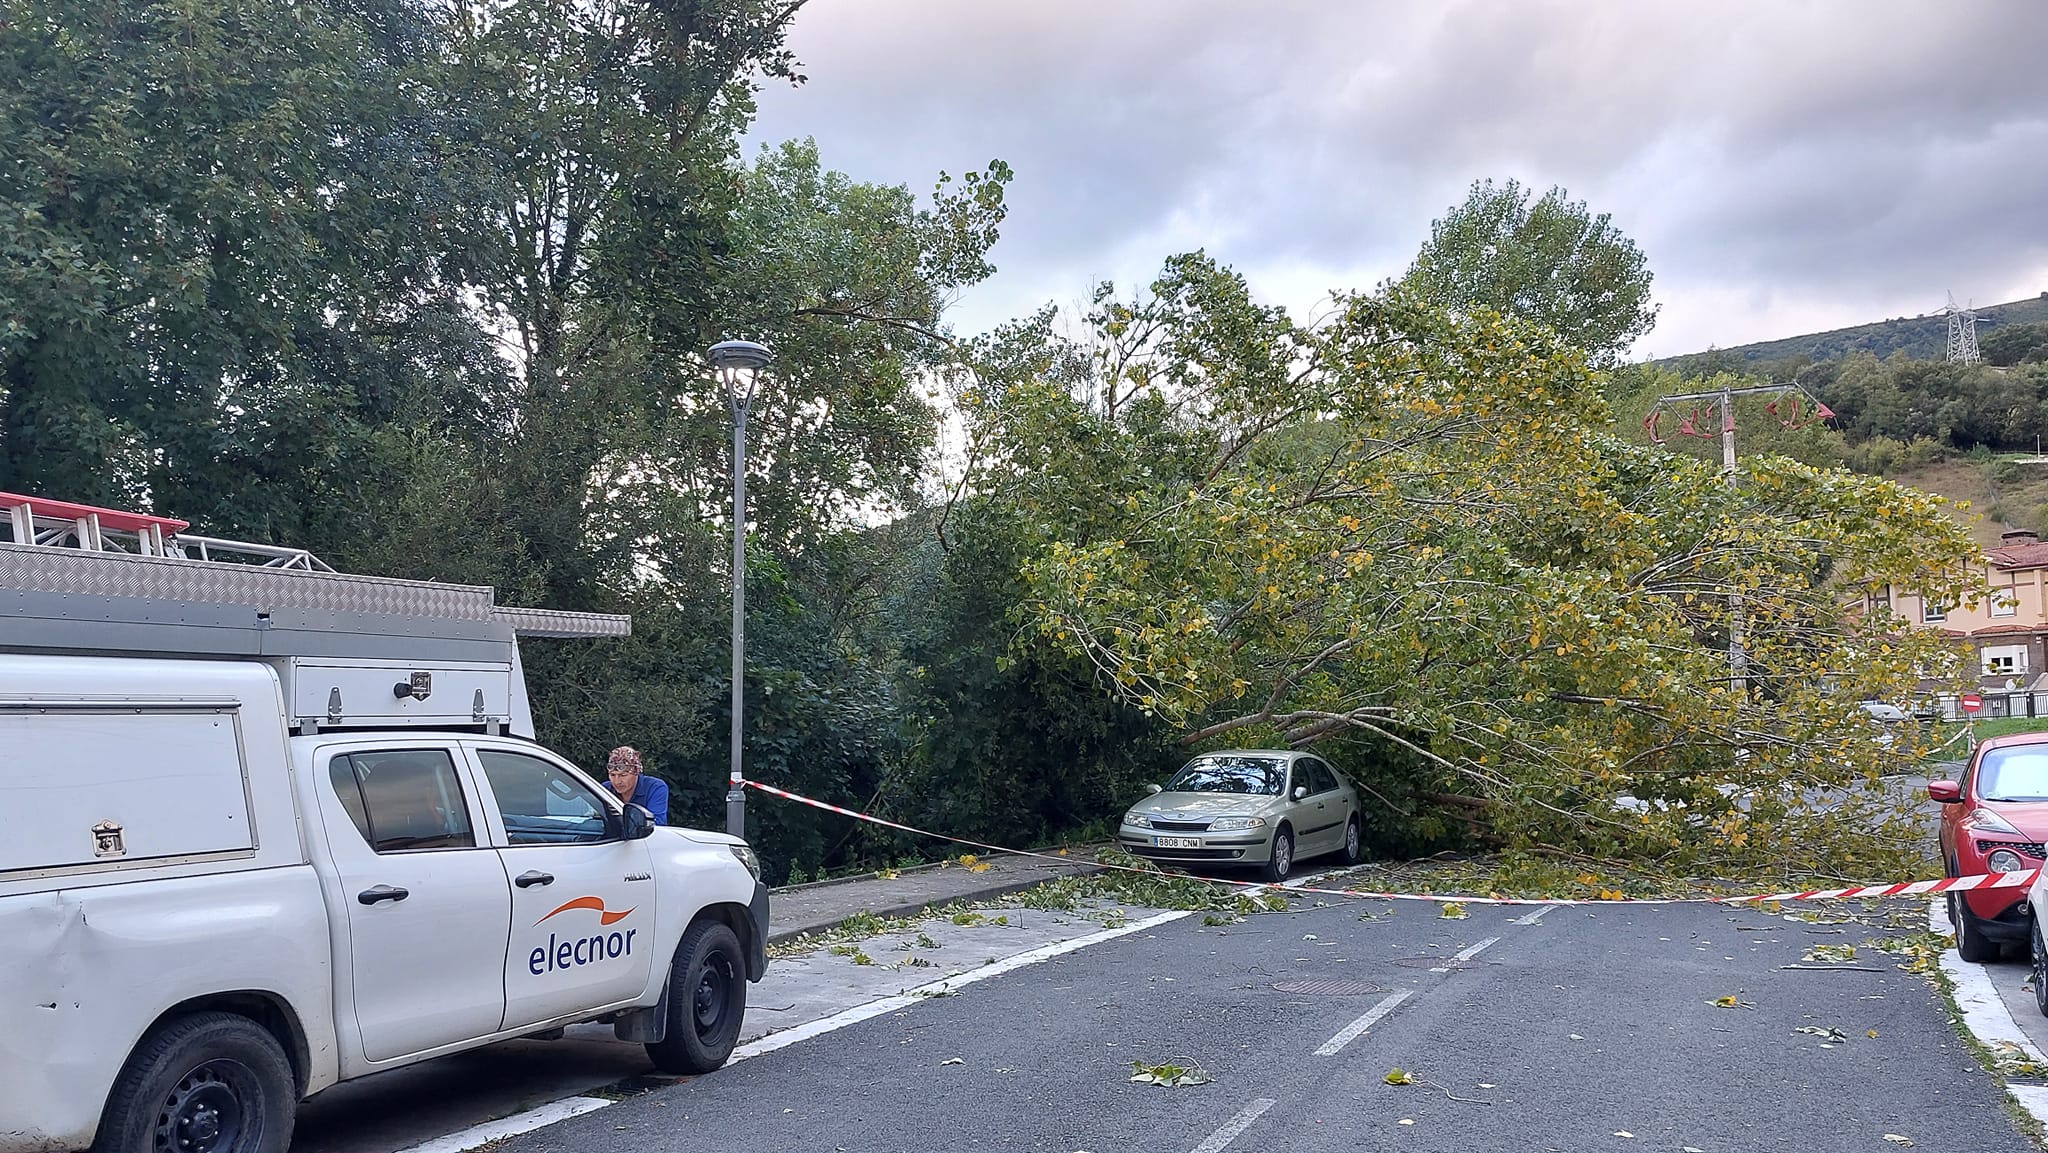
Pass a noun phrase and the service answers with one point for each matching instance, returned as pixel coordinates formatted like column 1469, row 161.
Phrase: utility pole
column 1724, row 399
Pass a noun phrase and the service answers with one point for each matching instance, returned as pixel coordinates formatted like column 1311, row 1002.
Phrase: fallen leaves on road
column 972, row 863
column 1830, row 1035
column 1830, row 953
column 2013, row 1061
column 1731, row 1002
column 1898, row 1139
column 1169, row 1074
column 1399, row 1076
column 954, row 1061
column 1453, row 911
column 1624, row 1133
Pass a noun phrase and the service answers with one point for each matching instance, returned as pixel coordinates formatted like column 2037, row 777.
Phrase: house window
column 2005, row 661
column 2004, row 602
column 1931, row 611
column 1880, row 598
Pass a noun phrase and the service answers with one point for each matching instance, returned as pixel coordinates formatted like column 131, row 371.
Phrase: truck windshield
column 1251, row 776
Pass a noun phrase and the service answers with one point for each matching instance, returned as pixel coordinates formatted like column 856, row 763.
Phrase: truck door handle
column 532, row 877
column 382, row 893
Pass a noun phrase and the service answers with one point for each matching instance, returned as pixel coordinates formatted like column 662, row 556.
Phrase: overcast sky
column 1787, row 166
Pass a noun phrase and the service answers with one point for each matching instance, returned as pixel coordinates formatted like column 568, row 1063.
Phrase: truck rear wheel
column 207, row 1083
column 707, row 1000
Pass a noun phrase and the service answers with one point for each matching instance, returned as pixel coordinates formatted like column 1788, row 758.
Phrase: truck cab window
column 541, row 804
column 405, row 799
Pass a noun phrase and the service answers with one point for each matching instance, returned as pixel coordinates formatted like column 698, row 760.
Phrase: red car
column 1994, row 820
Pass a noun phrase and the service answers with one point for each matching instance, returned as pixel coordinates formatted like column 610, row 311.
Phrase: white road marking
column 1235, row 1126
column 511, row 1126
column 1468, row 954
column 1295, row 883
column 1535, row 916
column 1350, row 1032
column 569, row 1107
column 904, row 1000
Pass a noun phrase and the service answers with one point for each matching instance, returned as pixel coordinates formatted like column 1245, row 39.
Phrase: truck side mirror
column 636, row 823
column 1947, row 792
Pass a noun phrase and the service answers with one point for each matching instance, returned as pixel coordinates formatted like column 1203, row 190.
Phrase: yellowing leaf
column 1399, row 1077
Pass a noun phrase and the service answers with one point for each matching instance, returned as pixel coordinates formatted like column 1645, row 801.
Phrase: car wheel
column 1281, row 862
column 707, row 999
column 207, row 1083
column 2039, row 962
column 1354, row 842
column 1971, row 943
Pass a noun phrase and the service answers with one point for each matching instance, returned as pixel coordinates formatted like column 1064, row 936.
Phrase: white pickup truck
column 228, row 884
column 204, row 919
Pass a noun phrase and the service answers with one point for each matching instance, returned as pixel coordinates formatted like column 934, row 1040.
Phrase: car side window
column 541, row 804
column 404, row 799
column 1315, row 775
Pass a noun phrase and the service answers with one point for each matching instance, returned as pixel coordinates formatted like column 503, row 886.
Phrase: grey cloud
column 1811, row 148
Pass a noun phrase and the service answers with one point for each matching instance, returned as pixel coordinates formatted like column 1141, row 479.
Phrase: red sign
column 1971, row 702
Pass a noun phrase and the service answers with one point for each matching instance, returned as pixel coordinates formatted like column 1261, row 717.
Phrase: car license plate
column 1176, row 842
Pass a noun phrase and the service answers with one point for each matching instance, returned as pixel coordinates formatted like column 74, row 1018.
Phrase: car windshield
column 2014, row 774
column 1252, row 776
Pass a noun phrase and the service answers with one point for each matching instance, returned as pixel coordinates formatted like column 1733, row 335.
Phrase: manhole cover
column 1437, row 963
column 1329, row 988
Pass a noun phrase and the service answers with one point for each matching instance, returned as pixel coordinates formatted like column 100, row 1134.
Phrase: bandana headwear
column 623, row 757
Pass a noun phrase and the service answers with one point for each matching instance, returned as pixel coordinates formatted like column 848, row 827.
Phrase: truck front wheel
column 207, row 1083
column 707, row 999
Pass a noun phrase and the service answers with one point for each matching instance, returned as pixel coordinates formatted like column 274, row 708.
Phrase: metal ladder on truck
column 79, row 579
column 60, row 523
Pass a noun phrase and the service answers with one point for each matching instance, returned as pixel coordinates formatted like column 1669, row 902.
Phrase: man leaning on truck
column 650, row 793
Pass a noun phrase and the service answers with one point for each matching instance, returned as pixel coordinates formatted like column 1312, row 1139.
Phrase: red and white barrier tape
column 2014, row 880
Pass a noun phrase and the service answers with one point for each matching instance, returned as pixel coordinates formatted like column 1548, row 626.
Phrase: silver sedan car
column 1246, row 807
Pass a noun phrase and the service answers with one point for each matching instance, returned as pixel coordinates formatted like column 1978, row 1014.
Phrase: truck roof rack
column 77, row 550
column 76, row 579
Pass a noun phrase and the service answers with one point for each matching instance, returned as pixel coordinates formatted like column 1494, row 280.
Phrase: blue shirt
column 652, row 794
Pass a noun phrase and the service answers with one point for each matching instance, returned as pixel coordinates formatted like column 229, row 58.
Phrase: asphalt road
column 1581, row 1029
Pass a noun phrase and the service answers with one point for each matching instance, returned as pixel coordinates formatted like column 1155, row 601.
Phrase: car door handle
column 532, row 877
column 378, row 893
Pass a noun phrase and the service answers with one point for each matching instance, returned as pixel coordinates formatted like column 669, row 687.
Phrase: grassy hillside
column 1922, row 337
column 2003, row 491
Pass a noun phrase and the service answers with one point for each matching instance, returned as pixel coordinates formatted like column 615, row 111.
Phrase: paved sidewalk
column 797, row 909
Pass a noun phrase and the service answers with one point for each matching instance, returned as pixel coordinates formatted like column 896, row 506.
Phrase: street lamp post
column 738, row 364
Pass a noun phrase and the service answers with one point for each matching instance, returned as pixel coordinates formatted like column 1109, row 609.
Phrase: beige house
column 2006, row 633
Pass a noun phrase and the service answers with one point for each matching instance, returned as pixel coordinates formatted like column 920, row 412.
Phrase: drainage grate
column 1329, row 988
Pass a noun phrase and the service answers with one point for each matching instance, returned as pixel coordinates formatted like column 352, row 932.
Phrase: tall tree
column 234, row 251
column 1552, row 262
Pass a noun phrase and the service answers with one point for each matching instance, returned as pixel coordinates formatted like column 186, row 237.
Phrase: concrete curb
column 906, row 908
column 932, row 866
column 1985, row 1015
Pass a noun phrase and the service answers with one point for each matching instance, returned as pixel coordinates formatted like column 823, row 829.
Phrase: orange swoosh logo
column 604, row 916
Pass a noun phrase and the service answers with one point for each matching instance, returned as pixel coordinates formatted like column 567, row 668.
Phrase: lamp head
column 739, row 354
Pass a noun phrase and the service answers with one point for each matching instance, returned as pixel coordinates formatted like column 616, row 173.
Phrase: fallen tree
column 1419, row 533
